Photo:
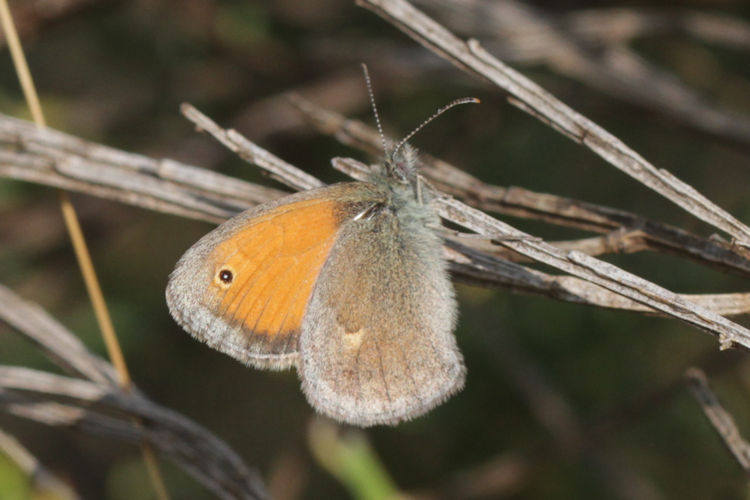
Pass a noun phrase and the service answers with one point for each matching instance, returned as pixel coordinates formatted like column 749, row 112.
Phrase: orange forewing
column 274, row 259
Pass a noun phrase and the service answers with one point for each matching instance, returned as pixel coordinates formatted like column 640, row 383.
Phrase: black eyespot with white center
column 226, row 276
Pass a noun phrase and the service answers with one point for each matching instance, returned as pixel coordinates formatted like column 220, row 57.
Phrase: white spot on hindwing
column 352, row 340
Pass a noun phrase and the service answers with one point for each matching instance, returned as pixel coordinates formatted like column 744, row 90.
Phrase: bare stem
column 719, row 417
column 96, row 403
column 471, row 57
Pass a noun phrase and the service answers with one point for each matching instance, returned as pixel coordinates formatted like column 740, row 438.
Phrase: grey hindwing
column 377, row 345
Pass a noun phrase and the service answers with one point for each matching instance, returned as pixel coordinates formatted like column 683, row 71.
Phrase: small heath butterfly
column 346, row 283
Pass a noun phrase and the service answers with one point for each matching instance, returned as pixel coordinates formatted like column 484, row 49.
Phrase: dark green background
column 116, row 72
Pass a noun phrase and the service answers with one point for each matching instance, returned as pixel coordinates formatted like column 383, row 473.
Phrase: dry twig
column 720, row 418
column 574, row 262
column 622, row 25
column 58, row 159
column 95, row 403
column 578, row 264
column 509, row 471
column 625, row 232
column 483, row 269
column 592, row 46
column 46, row 156
column 528, row 96
column 42, row 478
column 551, row 408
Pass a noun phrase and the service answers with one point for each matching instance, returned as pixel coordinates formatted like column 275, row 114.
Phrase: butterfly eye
column 226, row 276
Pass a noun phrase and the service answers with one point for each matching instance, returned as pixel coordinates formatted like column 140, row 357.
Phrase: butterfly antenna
column 374, row 108
column 463, row 100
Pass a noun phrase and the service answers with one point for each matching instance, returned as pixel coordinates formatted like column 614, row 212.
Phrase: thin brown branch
column 79, row 243
column 551, row 408
column 66, row 350
column 44, row 480
column 527, row 28
column 625, row 232
column 28, row 153
column 46, row 156
column 580, row 265
column 528, row 96
column 592, row 47
column 623, row 25
column 341, row 90
column 576, row 290
column 279, row 169
column 509, row 472
column 97, row 404
column 719, row 417
column 485, row 270
column 478, row 269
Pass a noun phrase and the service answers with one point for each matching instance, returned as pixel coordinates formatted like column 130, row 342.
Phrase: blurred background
column 676, row 88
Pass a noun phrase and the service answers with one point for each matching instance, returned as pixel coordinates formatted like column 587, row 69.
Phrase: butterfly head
column 401, row 165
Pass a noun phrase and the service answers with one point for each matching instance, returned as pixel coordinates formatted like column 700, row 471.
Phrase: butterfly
column 346, row 283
